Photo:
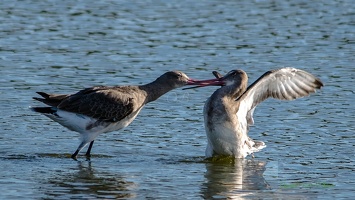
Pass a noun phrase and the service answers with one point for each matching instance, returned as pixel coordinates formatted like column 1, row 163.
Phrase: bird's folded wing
column 105, row 104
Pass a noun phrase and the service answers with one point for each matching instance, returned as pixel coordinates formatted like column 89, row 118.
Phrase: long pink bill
column 204, row 83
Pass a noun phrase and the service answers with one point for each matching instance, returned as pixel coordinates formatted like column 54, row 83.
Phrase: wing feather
column 284, row 84
column 283, row 92
column 51, row 99
column 102, row 103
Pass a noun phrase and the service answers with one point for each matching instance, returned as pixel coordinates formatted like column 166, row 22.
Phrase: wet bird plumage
column 228, row 113
column 103, row 109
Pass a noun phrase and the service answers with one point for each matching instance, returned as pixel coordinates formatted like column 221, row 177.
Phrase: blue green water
column 64, row 47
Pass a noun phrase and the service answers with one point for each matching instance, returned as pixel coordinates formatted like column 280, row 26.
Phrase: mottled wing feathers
column 284, row 84
column 106, row 104
column 103, row 103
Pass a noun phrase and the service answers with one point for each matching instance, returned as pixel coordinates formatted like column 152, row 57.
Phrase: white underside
column 89, row 128
column 239, row 148
column 226, row 138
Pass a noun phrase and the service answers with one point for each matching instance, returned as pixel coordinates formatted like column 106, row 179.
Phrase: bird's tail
column 51, row 99
column 44, row 110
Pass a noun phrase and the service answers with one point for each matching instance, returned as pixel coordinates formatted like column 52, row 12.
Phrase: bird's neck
column 232, row 91
column 228, row 96
column 155, row 89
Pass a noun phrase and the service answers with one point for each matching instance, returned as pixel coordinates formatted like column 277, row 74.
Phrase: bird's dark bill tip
column 217, row 74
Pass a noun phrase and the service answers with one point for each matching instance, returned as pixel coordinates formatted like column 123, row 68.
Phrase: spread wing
column 103, row 103
column 284, row 84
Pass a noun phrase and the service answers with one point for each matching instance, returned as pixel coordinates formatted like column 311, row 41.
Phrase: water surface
column 61, row 48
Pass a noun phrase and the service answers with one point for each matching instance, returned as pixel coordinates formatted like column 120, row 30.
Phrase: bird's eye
column 232, row 73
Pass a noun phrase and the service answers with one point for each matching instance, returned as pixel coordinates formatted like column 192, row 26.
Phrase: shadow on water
column 229, row 177
column 68, row 156
column 49, row 155
column 86, row 182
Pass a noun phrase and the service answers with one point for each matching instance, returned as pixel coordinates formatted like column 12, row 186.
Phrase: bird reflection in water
column 233, row 178
column 88, row 183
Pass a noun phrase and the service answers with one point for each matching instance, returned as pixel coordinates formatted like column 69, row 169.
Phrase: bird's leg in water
column 88, row 155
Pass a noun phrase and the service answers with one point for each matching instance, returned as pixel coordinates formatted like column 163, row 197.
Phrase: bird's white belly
column 227, row 139
column 84, row 124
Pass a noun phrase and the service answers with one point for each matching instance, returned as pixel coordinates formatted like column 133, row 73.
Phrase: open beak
column 204, row 83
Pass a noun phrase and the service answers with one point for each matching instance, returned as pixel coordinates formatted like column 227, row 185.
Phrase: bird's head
column 234, row 77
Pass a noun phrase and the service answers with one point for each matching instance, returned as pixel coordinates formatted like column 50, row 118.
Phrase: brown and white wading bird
column 103, row 109
column 228, row 113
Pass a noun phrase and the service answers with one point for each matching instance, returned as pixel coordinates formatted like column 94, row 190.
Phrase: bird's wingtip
column 43, row 94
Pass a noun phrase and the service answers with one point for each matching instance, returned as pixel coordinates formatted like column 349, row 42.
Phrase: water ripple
column 62, row 48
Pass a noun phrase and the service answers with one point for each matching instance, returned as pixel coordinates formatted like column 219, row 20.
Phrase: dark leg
column 89, row 149
column 73, row 156
column 81, row 146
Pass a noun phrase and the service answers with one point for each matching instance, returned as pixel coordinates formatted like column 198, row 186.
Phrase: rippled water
column 64, row 47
